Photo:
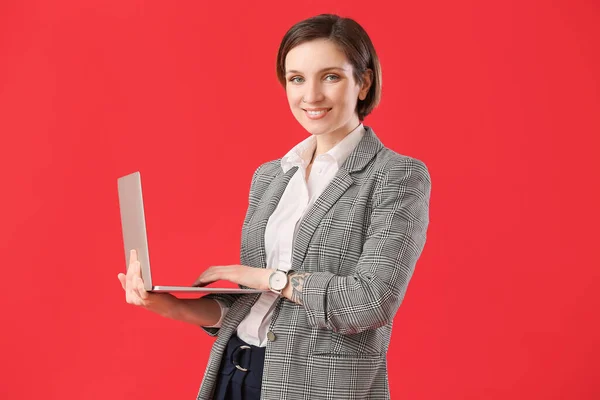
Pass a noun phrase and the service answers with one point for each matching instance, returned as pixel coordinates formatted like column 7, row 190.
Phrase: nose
column 313, row 92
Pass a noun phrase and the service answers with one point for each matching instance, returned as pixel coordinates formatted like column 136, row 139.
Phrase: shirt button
column 271, row 336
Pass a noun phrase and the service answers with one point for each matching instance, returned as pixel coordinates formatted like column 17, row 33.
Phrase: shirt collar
column 300, row 155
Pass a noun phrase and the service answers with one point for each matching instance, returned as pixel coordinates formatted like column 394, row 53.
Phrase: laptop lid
column 133, row 223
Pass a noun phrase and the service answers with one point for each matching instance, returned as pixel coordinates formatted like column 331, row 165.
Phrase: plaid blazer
column 360, row 240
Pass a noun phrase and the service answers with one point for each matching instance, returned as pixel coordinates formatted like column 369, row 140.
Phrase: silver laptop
column 133, row 224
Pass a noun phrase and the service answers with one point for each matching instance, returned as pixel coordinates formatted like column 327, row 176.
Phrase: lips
column 316, row 113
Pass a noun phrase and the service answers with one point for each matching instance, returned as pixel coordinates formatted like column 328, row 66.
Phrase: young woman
column 334, row 230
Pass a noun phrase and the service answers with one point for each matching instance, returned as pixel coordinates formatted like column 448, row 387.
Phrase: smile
column 317, row 114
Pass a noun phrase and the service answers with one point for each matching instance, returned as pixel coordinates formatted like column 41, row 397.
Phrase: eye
column 334, row 77
column 295, row 79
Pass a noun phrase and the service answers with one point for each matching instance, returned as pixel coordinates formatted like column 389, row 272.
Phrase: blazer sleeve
column 226, row 300
column 394, row 241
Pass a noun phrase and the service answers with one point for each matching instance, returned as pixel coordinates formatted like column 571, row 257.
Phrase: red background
column 499, row 99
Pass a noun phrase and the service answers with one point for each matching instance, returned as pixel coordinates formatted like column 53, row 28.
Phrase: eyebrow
column 293, row 71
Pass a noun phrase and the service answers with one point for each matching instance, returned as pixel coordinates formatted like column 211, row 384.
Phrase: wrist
column 266, row 280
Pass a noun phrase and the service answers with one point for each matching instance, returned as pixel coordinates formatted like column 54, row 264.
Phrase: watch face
column 278, row 280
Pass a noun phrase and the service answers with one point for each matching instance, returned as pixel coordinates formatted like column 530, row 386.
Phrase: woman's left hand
column 255, row 278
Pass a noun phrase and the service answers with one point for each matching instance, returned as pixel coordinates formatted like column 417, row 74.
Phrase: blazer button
column 271, row 336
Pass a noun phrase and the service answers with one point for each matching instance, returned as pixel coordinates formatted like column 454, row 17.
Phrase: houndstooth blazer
column 360, row 241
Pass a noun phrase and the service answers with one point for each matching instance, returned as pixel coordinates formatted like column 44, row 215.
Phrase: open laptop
column 133, row 224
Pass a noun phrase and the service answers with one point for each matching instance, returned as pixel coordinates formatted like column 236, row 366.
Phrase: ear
column 366, row 85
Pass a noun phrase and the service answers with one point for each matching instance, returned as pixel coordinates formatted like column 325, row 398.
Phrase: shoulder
column 389, row 166
column 266, row 171
column 395, row 178
column 270, row 168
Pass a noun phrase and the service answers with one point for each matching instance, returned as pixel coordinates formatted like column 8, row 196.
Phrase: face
column 321, row 89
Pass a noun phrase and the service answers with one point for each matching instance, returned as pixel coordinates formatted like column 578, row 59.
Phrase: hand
column 161, row 303
column 255, row 278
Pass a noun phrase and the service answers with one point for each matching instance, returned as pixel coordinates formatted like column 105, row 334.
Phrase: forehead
column 315, row 55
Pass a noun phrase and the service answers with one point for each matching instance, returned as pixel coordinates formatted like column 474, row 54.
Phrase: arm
column 395, row 239
column 201, row 312
column 223, row 302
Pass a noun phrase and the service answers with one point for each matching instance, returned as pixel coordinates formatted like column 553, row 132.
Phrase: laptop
column 133, row 224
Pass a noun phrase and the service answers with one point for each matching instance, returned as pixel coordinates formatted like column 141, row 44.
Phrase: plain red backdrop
column 500, row 100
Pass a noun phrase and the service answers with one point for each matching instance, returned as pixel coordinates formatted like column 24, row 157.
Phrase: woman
column 334, row 230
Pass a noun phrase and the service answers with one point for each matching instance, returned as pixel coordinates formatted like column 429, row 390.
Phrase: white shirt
column 296, row 200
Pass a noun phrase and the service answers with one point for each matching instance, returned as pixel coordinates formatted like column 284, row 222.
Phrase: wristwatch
column 278, row 281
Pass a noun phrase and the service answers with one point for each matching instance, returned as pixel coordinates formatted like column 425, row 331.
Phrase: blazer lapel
column 336, row 188
column 366, row 149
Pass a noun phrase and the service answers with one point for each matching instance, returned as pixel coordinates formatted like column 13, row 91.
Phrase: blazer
column 360, row 241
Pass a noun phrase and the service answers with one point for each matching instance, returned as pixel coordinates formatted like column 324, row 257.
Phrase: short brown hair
column 352, row 40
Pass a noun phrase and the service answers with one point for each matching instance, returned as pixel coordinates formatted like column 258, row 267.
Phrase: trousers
column 240, row 374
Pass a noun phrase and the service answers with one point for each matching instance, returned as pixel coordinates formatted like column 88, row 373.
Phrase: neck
column 328, row 140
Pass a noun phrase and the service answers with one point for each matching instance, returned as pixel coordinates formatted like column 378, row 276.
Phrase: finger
column 205, row 280
column 138, row 269
column 128, row 295
column 199, row 282
column 127, row 285
column 132, row 256
column 133, row 275
column 139, row 290
column 135, row 287
column 129, row 279
column 123, row 280
column 135, row 270
column 212, row 274
column 142, row 290
column 134, row 298
column 130, row 270
column 130, row 284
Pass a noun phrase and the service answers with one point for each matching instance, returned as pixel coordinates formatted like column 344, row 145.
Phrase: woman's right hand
column 164, row 304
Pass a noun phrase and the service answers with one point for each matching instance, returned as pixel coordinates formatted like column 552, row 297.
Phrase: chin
column 313, row 130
